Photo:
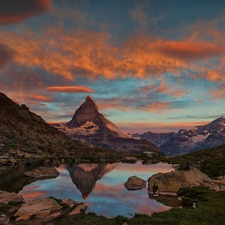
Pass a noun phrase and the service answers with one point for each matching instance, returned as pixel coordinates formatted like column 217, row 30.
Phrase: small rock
column 135, row 183
column 39, row 208
column 4, row 219
column 78, row 210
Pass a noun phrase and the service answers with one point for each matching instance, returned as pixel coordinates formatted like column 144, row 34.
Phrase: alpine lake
column 101, row 188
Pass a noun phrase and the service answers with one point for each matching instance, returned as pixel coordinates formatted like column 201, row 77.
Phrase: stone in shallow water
column 39, row 208
column 135, row 183
column 6, row 197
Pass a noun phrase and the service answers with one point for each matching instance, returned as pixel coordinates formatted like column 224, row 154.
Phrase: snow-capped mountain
column 91, row 127
column 206, row 136
column 157, row 138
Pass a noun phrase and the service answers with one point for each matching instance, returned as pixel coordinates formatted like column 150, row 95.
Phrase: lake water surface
column 101, row 187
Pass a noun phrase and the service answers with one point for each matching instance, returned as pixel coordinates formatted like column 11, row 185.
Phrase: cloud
column 14, row 11
column 190, row 50
column 164, row 88
column 70, row 89
column 138, row 13
column 6, row 55
column 140, row 104
column 159, row 127
column 41, row 98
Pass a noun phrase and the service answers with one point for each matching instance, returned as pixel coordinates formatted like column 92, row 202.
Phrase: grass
column 210, row 161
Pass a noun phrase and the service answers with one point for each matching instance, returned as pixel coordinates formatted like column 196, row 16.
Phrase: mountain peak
column 89, row 98
column 88, row 111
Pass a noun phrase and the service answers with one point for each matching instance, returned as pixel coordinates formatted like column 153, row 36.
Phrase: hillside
column 24, row 135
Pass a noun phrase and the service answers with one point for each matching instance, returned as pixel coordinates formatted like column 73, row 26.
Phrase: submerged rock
column 135, row 183
column 43, row 172
column 39, row 208
column 171, row 182
column 7, row 197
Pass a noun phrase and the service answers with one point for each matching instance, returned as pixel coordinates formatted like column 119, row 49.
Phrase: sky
column 150, row 65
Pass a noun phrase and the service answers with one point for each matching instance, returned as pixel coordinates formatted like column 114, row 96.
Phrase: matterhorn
column 92, row 128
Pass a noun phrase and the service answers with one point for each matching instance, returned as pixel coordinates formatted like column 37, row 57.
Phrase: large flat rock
column 39, row 208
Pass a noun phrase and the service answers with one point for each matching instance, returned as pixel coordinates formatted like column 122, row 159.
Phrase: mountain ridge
column 185, row 141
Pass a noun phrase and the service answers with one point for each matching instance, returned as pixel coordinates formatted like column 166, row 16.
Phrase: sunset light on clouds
column 148, row 65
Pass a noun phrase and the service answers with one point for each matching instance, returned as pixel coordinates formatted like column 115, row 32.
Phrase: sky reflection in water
column 108, row 195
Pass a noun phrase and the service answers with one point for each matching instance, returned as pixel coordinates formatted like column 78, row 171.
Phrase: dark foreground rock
column 170, row 183
column 135, row 183
column 43, row 173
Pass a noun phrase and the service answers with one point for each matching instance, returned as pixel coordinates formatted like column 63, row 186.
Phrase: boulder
column 129, row 160
column 149, row 154
column 135, row 183
column 39, row 208
column 43, row 173
column 7, row 197
column 78, row 210
column 171, row 182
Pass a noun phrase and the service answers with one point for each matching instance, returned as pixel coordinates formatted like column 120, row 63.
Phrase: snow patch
column 86, row 129
column 199, row 138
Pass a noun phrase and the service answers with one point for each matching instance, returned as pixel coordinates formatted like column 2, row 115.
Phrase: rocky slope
column 157, row 138
column 24, row 134
column 90, row 126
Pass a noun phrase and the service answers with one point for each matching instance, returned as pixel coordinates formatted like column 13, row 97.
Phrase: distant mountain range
column 184, row 141
column 91, row 127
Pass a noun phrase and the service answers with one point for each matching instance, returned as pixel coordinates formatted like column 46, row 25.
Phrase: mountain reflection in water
column 104, row 186
column 85, row 176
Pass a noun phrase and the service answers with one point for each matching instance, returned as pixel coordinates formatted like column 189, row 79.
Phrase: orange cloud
column 41, row 98
column 190, row 50
column 14, row 11
column 70, row 89
column 93, row 54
